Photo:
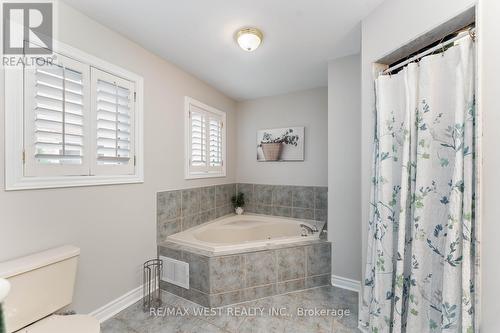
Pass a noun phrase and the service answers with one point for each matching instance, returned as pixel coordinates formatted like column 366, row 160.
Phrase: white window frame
column 191, row 172
column 15, row 178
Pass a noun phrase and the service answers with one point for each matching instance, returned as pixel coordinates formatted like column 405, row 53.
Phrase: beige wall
column 489, row 106
column 344, row 158
column 307, row 108
column 115, row 226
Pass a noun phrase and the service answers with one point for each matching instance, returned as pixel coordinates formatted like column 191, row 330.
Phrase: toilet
column 42, row 284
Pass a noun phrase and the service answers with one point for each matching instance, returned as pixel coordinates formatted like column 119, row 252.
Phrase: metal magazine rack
column 152, row 271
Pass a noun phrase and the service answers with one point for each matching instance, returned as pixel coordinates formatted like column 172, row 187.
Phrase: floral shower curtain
column 422, row 257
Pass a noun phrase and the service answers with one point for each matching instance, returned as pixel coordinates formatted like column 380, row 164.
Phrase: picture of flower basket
column 271, row 151
column 280, row 144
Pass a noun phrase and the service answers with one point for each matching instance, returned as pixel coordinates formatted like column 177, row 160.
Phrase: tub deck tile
column 206, row 253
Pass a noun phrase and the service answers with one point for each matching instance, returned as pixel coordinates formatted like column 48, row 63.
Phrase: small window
column 205, row 140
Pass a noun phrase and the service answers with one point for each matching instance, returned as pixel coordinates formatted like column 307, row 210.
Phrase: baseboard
column 346, row 283
column 349, row 284
column 109, row 310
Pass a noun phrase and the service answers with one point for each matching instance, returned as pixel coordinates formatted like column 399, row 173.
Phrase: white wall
column 489, row 105
column 344, row 165
column 115, row 226
column 304, row 108
column 396, row 23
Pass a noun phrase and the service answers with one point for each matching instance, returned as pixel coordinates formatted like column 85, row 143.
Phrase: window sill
column 202, row 175
column 29, row 183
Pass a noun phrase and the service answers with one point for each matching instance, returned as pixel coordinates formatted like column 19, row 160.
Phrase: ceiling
column 300, row 36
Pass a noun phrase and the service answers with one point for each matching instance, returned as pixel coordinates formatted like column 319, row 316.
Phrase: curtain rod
column 469, row 32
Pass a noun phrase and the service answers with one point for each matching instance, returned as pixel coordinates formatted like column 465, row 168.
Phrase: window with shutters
column 205, row 140
column 74, row 122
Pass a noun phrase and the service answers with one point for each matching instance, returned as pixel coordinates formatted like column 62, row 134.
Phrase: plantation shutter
column 113, row 133
column 198, row 138
column 215, row 125
column 57, row 118
column 206, row 140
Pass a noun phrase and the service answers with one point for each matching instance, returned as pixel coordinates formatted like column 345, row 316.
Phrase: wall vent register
column 175, row 272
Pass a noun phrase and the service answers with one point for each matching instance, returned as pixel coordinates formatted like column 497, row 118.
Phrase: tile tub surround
column 179, row 210
column 217, row 280
column 301, row 202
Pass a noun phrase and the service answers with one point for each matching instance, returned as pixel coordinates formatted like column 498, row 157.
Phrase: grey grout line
column 314, row 198
column 182, row 210
column 277, row 268
column 306, row 268
column 244, row 258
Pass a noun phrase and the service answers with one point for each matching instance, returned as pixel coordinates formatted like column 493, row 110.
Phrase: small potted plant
column 271, row 147
column 238, row 202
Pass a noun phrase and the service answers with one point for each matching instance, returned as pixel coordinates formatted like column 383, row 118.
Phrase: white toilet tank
column 41, row 284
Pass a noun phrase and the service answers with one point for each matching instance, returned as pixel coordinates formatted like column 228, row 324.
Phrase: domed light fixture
column 249, row 39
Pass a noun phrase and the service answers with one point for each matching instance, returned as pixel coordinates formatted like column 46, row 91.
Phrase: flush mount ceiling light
column 249, row 39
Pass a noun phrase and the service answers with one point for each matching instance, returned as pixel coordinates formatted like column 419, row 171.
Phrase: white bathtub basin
column 244, row 232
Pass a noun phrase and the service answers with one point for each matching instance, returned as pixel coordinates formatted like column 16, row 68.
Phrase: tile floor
column 183, row 316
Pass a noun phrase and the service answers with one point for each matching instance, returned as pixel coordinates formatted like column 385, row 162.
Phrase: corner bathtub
column 243, row 232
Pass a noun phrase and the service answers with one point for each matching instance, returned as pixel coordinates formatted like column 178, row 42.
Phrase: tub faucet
column 308, row 229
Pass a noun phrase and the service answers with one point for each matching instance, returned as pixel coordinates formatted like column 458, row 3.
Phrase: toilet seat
column 64, row 324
